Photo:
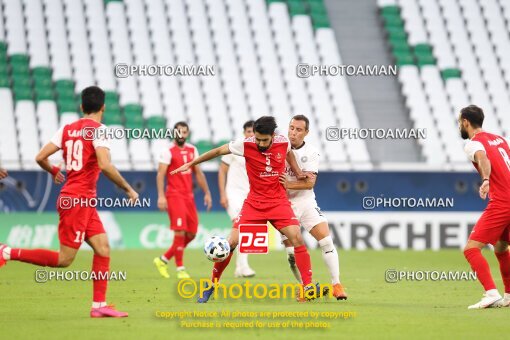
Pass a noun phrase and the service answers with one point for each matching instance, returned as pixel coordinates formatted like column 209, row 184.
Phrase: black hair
column 303, row 118
column 92, row 99
column 473, row 114
column 248, row 124
column 182, row 124
column 265, row 125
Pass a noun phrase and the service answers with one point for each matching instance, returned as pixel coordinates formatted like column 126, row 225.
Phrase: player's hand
column 133, row 196
column 301, row 175
column 162, row 203
column 59, row 178
column 3, row 173
column 224, row 201
column 484, row 189
column 283, row 180
column 208, row 201
column 182, row 168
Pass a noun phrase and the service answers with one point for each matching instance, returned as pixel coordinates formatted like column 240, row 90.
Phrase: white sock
column 330, row 257
column 6, row 253
column 98, row 304
column 163, row 258
column 180, row 268
column 289, row 250
column 242, row 260
column 492, row 292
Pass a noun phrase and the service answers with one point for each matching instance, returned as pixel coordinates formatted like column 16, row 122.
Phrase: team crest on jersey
column 278, row 156
column 304, row 159
column 268, row 168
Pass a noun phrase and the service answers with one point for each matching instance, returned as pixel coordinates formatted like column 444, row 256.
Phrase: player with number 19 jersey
column 78, row 223
column 494, row 224
column 267, row 199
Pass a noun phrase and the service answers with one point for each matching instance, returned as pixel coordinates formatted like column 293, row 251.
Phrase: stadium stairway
column 377, row 99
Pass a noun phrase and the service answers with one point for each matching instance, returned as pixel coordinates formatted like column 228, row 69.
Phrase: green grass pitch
column 59, row 310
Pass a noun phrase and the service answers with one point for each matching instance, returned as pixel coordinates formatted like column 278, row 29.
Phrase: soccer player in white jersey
column 302, row 199
column 234, row 187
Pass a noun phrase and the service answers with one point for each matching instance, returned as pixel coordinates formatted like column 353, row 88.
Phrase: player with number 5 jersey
column 490, row 156
column 265, row 153
column 85, row 156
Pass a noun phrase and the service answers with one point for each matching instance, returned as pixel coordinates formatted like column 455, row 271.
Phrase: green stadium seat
column 396, row 31
column 317, row 8
column 3, row 47
column 22, row 93
column 134, row 123
column 157, row 122
column 423, row 49
column 393, row 20
column 64, row 85
column 43, row 82
column 204, row 146
column 67, row 106
column 422, row 60
column 320, row 21
column 111, row 96
column 44, row 94
column 22, row 81
column 404, row 59
column 133, row 110
column 112, row 118
column 451, row 73
column 41, row 72
column 390, row 10
column 4, row 82
column 296, row 7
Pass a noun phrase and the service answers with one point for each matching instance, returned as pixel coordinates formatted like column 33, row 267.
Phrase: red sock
column 171, row 251
column 41, row 257
column 480, row 267
column 303, row 263
column 504, row 268
column 179, row 241
column 219, row 267
column 100, row 266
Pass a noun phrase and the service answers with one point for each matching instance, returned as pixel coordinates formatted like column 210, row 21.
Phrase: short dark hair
column 248, row 124
column 473, row 114
column 304, row 119
column 92, row 99
column 265, row 125
column 182, row 124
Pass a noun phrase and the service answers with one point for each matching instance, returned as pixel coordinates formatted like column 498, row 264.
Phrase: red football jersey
column 180, row 184
column 498, row 152
column 82, row 170
column 264, row 168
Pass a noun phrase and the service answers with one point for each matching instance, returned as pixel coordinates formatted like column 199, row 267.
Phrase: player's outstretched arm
column 106, row 166
column 484, row 166
column 43, row 161
column 160, row 183
column 202, row 183
column 306, row 184
column 216, row 152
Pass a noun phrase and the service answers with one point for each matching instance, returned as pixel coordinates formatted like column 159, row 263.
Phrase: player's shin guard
column 480, row 267
column 330, row 257
column 219, row 267
column 179, row 241
column 187, row 240
column 171, row 251
column 100, row 268
column 40, row 257
column 504, row 268
column 304, row 264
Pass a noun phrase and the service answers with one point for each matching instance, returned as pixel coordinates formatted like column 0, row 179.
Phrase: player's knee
column 190, row 236
column 296, row 240
column 65, row 261
column 103, row 250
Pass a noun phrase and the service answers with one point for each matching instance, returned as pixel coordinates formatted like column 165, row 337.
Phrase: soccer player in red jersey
column 178, row 199
column 84, row 158
column 490, row 155
column 265, row 155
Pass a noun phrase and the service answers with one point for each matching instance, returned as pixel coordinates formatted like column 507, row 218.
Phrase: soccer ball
column 217, row 249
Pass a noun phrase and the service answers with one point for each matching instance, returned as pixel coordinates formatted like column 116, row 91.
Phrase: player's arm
column 111, row 172
column 222, row 182
column 43, row 161
column 216, row 152
column 160, row 183
column 484, row 167
column 305, row 184
column 202, row 183
column 291, row 159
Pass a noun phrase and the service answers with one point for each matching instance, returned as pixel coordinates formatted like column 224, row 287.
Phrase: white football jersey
column 307, row 158
column 237, row 186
